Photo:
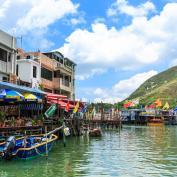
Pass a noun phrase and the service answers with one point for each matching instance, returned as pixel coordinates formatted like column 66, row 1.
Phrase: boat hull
column 155, row 124
column 34, row 152
column 33, row 149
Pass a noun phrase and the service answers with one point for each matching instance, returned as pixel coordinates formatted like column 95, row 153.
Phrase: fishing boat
column 155, row 121
column 28, row 147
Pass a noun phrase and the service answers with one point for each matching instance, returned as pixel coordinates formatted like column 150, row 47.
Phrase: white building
column 7, row 57
column 28, row 72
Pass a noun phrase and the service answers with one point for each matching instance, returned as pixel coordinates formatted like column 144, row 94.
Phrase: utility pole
column 21, row 41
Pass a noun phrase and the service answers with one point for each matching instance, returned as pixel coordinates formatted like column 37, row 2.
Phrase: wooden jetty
column 105, row 121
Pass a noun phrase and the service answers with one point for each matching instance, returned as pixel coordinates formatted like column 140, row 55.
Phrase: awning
column 61, row 103
column 55, row 96
column 22, row 89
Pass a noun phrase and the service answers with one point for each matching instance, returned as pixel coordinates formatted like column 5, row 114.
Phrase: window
column 17, row 70
column 3, row 55
column 18, row 57
column 9, row 57
column 57, row 74
column 28, row 57
column 34, row 71
column 4, row 79
column 46, row 74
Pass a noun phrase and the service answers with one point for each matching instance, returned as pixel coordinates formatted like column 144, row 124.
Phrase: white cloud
column 99, row 92
column 127, row 86
column 122, row 6
column 142, row 43
column 106, row 100
column 45, row 12
column 122, row 89
column 78, row 20
column 173, row 63
column 29, row 17
column 34, row 14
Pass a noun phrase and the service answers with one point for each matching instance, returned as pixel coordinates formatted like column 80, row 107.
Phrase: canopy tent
column 22, row 89
column 62, row 101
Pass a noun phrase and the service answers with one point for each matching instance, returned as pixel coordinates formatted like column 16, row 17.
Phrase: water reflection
column 134, row 151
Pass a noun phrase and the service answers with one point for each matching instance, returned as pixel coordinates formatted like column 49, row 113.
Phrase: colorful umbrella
column 30, row 97
column 7, row 94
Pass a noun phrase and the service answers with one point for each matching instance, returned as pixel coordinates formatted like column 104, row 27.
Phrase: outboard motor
column 9, row 147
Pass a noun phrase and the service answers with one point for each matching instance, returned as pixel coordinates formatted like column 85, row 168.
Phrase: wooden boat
column 95, row 132
column 26, row 147
column 29, row 146
column 155, row 121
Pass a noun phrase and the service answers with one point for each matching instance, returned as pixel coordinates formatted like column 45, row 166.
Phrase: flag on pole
column 76, row 107
column 128, row 104
column 158, row 103
column 67, row 107
column 166, row 106
column 152, row 106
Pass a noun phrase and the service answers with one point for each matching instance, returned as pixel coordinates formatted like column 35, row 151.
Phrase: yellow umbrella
column 30, row 97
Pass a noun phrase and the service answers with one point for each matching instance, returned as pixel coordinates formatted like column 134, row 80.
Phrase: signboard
column 50, row 111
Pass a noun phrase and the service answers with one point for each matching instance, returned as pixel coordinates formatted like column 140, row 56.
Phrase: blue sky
column 117, row 44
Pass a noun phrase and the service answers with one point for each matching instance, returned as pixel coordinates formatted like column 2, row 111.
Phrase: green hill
column 162, row 85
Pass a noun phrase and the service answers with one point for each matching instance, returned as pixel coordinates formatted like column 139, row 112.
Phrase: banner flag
column 166, row 106
column 76, row 107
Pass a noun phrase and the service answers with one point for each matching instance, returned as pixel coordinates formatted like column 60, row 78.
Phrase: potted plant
column 34, row 122
column 40, row 120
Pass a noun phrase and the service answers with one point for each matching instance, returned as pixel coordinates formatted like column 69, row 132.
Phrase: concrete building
column 57, row 72
column 64, row 74
column 28, row 70
column 7, row 57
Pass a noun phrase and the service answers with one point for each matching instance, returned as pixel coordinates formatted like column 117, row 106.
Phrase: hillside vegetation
column 162, row 85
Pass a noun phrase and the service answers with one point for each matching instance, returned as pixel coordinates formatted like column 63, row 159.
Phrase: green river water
column 134, row 151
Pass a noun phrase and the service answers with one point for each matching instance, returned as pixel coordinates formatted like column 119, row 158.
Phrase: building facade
column 28, row 70
column 7, row 57
column 57, row 73
column 63, row 74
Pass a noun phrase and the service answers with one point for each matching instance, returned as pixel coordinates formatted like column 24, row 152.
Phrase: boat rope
column 39, row 153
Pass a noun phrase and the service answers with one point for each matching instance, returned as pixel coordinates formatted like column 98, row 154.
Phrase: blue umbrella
column 8, row 94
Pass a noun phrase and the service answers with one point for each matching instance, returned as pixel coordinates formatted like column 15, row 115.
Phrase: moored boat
column 95, row 132
column 26, row 147
column 155, row 121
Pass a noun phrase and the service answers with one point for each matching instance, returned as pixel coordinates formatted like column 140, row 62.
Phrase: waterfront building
column 57, row 73
column 63, row 75
column 28, row 70
column 7, row 57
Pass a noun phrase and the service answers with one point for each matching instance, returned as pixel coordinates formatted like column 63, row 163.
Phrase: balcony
column 47, row 84
column 47, row 62
column 63, row 68
column 65, row 85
